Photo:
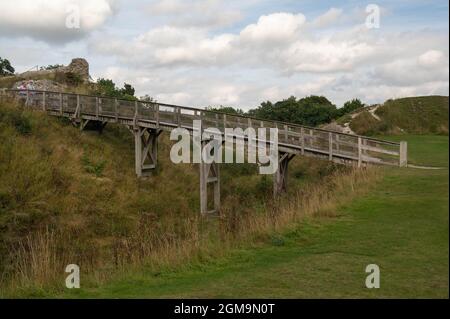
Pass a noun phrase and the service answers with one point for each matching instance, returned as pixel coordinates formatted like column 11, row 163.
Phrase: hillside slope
column 413, row 115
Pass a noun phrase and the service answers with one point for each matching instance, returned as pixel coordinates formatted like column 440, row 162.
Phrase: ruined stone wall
column 78, row 66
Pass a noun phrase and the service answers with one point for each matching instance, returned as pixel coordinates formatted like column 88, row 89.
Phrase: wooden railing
column 340, row 147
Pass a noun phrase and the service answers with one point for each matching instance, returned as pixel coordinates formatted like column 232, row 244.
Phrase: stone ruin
column 78, row 66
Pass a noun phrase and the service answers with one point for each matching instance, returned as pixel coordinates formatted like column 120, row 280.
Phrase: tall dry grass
column 203, row 238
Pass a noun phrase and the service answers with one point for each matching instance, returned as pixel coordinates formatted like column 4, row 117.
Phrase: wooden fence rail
column 291, row 137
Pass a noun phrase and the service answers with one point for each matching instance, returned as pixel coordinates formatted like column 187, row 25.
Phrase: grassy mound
column 412, row 115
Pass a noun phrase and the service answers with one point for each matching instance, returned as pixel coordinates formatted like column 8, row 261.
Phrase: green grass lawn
column 401, row 225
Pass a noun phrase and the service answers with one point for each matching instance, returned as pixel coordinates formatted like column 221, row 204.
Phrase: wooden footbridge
column 148, row 119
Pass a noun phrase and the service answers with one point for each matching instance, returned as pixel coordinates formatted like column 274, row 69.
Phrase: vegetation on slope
column 413, row 115
column 417, row 115
column 72, row 197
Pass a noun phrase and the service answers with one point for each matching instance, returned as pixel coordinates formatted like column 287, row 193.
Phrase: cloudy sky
column 239, row 53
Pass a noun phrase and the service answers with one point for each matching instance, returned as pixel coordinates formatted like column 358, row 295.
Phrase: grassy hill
column 412, row 115
column 68, row 196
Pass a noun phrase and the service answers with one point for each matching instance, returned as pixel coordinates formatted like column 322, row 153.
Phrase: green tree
column 226, row 109
column 147, row 98
column 106, row 87
column 311, row 110
column 6, row 67
column 127, row 90
column 349, row 107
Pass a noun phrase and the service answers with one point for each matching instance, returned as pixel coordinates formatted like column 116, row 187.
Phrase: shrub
column 93, row 168
column 16, row 118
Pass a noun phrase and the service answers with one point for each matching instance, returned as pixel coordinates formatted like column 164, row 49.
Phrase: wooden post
column 216, row 169
column 146, row 150
column 60, row 103
column 286, row 133
column 157, row 115
column 302, row 139
column 209, row 173
column 359, row 152
column 337, row 143
column 135, row 113
column 44, row 102
column 403, row 154
column 280, row 177
column 97, row 107
column 330, row 146
column 78, row 111
column 138, row 151
column 116, row 109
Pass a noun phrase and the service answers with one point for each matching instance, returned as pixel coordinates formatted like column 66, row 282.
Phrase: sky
column 239, row 53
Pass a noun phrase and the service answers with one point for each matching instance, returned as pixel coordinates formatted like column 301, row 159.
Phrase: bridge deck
column 292, row 138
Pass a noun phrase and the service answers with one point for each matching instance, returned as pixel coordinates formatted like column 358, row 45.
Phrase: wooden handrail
column 295, row 137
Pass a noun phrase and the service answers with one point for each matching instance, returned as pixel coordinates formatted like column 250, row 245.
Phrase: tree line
column 310, row 111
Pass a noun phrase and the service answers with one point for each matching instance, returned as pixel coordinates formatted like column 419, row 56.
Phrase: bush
column 93, row 168
column 366, row 124
column 16, row 118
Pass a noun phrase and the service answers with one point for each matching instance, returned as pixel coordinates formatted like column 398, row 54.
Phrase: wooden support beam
column 116, row 109
column 359, row 151
column 44, row 101
column 78, row 110
column 146, row 150
column 60, row 104
column 209, row 174
column 280, row 177
column 330, row 146
column 83, row 124
column 337, row 144
column 97, row 107
column 403, row 154
column 135, row 114
column 157, row 115
column 302, row 139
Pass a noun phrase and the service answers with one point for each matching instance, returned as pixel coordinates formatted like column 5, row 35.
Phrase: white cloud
column 431, row 66
column 273, row 28
column 432, row 58
column 46, row 20
column 281, row 55
column 278, row 55
column 190, row 13
column 169, row 46
column 328, row 18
